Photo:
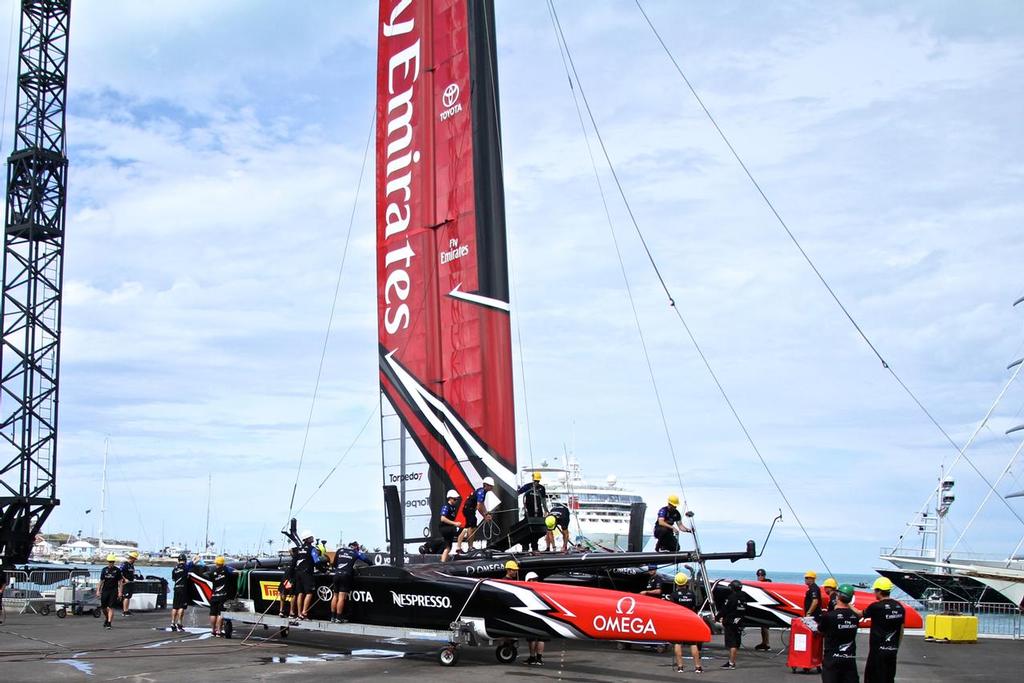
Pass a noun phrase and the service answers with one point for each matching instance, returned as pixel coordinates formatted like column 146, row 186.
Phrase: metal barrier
column 34, row 590
column 994, row 619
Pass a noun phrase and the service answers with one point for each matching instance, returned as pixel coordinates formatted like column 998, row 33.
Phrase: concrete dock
column 139, row 648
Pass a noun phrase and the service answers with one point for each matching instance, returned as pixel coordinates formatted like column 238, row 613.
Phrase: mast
column 209, row 496
column 447, row 417
column 103, row 493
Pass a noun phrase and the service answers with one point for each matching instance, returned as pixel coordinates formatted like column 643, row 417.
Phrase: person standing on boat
column 887, row 618
column 343, row 570
column 764, row 645
column 839, row 628
column 535, row 503
column 670, row 522
column 305, row 562
column 653, row 589
column 682, row 595
column 831, row 591
column 558, row 519
column 182, row 594
column 812, row 598
column 472, row 510
column 110, row 590
column 128, row 582
column 448, row 523
column 731, row 616
column 219, row 577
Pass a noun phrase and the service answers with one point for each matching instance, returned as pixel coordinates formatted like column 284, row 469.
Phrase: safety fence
column 994, row 619
column 35, row 590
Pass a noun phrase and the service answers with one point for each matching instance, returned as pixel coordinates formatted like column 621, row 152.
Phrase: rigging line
column 807, row 257
column 334, row 306
column 131, row 495
column 563, row 50
column 522, row 361
column 672, row 303
column 340, row 460
column 988, row 495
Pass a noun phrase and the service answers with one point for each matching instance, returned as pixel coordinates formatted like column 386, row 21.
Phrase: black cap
column 182, row 557
column 353, row 544
column 736, row 585
column 761, row 572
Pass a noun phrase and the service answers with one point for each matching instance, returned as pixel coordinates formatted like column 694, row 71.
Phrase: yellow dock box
column 951, row 628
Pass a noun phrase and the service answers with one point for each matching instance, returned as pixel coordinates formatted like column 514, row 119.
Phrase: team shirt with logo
column 839, row 628
column 887, row 617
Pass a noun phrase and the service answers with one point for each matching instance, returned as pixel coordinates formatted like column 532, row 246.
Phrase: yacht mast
column 103, row 493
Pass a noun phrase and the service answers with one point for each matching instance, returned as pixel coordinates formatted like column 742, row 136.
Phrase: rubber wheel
column 97, row 612
column 506, row 653
column 44, row 610
column 449, row 656
column 61, row 613
column 284, row 632
column 227, row 629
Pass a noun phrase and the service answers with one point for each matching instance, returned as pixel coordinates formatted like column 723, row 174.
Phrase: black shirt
column 684, row 597
column 449, row 512
column 887, row 617
column 813, row 593
column 179, row 575
column 219, row 577
column 304, row 561
column 561, row 514
column 833, row 598
column 734, row 609
column 670, row 514
column 110, row 576
column 654, row 582
column 128, row 571
column 535, row 499
column 839, row 627
column 346, row 558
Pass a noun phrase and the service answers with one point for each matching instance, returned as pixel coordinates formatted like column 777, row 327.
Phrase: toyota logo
column 451, row 95
column 626, row 606
column 324, row 593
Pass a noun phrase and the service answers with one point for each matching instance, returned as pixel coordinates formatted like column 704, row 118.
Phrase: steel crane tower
column 33, row 273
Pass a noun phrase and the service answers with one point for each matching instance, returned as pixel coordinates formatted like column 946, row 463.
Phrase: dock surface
column 140, row 648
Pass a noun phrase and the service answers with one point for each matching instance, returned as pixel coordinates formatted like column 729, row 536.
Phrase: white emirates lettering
column 413, row 600
column 619, row 624
column 455, row 251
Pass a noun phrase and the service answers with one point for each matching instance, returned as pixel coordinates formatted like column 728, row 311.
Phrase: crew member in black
column 812, row 598
column 110, row 590
column 830, row 586
column 305, row 562
column 472, row 510
column 286, row 589
column 536, row 657
column 839, row 628
column 448, row 524
column 535, row 503
column 764, row 645
column 219, row 576
column 887, row 617
column 670, row 522
column 3, row 585
column 731, row 616
column 343, row 567
column 128, row 582
column 653, row 588
column 560, row 515
column 182, row 593
column 682, row 595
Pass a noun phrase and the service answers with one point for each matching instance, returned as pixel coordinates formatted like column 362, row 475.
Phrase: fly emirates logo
column 403, row 72
column 624, row 620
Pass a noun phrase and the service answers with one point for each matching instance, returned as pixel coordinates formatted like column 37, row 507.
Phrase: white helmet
column 532, row 576
column 452, row 493
column 306, row 534
column 489, row 481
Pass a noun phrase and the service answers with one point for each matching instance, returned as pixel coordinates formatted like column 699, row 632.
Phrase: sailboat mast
column 209, row 495
column 103, row 492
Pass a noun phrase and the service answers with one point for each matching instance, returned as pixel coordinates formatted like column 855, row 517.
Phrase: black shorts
column 733, row 635
column 217, row 606
column 303, row 583
column 448, row 533
column 128, row 590
column 342, row 582
column 108, row 598
column 180, row 599
column 471, row 520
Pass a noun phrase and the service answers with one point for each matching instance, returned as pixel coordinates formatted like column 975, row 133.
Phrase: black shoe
column 540, row 661
column 679, row 669
column 699, row 670
column 728, row 665
column 106, row 625
column 531, row 660
column 762, row 647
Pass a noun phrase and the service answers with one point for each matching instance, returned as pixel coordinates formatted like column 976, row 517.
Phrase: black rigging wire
column 671, row 300
column 330, row 320
column 821, row 278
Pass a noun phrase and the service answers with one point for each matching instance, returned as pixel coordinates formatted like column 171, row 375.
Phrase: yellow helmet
column 219, row 561
column 134, row 554
column 811, row 574
column 512, row 564
column 673, row 500
column 882, row 584
column 550, row 521
column 830, row 583
column 111, row 557
column 681, row 579
column 536, row 476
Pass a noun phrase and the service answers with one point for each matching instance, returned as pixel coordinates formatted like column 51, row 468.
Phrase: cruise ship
column 600, row 511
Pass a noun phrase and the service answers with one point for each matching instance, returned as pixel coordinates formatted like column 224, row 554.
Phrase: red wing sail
column 442, row 275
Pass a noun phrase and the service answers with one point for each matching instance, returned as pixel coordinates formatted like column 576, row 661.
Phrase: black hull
column 955, row 588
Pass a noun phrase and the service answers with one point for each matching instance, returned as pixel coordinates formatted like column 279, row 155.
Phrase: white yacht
column 600, row 511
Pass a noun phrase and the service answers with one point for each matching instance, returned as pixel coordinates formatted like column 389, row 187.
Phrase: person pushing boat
column 343, row 570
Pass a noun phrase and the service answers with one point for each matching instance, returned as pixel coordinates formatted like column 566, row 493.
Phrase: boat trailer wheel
column 44, row 610
column 506, row 653
column 61, row 613
column 448, row 656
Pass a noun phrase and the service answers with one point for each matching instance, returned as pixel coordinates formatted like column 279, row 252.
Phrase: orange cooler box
column 804, row 647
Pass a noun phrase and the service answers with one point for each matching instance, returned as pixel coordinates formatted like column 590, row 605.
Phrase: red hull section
column 442, row 283
column 612, row 615
column 790, row 599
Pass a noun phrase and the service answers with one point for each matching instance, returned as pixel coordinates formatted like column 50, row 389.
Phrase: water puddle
column 84, row 667
column 199, row 633
column 362, row 654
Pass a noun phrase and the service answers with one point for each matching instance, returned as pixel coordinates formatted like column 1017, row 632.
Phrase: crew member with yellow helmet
column 558, row 518
column 812, row 598
column 535, row 504
column 110, row 590
column 220, row 580
column 128, row 582
column 682, row 595
column 512, row 570
column 670, row 522
column 830, row 586
column 887, row 617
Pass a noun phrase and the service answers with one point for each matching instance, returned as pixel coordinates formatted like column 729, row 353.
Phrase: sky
column 215, row 152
